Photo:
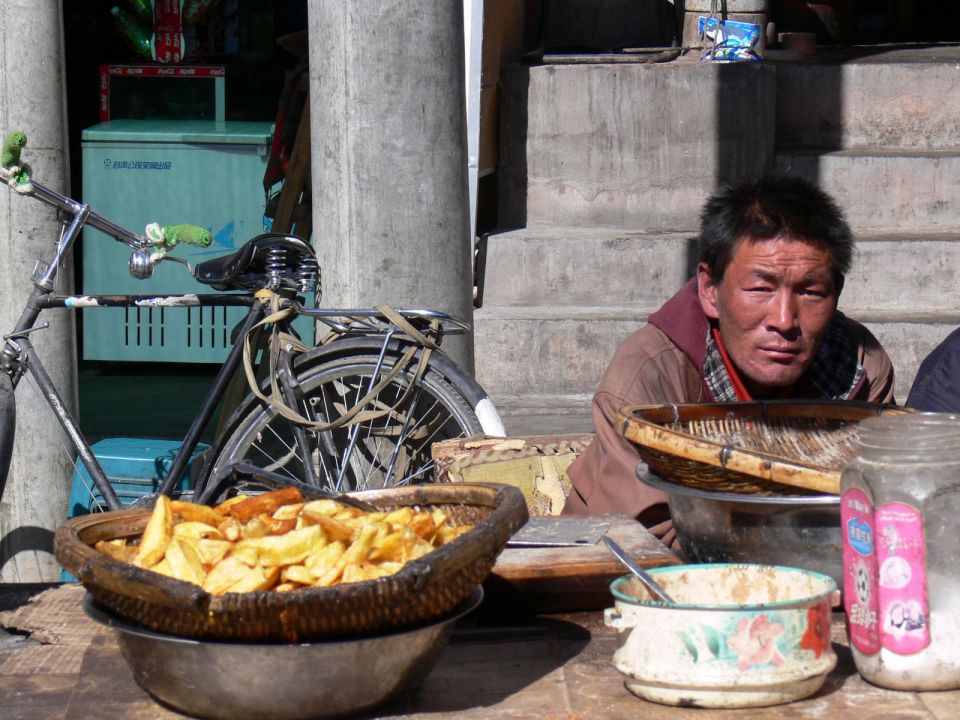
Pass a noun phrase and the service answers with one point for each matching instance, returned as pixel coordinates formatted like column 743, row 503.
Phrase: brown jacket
column 662, row 363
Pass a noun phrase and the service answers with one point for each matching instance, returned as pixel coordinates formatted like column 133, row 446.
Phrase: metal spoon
column 652, row 585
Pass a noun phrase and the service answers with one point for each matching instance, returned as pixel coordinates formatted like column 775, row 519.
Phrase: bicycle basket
column 422, row 590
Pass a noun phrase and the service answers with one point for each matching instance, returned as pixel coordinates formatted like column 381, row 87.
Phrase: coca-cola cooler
column 136, row 171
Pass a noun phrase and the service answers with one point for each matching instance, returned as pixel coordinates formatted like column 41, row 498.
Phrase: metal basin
column 280, row 681
column 715, row 527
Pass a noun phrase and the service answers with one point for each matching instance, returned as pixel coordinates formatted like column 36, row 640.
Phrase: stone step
column 551, row 266
column 541, row 365
column 545, row 414
column 895, row 98
column 884, row 189
column 628, row 145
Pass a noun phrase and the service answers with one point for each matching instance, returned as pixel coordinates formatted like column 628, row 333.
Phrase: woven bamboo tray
column 777, row 447
column 422, row 590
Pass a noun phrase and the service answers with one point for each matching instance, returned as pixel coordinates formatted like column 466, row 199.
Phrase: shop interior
column 229, row 67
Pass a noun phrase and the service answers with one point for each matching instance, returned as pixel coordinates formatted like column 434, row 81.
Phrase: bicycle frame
column 18, row 356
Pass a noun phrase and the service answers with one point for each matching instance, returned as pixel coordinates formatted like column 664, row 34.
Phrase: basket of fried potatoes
column 279, row 567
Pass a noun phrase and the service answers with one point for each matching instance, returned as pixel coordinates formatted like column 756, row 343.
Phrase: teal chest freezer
column 168, row 171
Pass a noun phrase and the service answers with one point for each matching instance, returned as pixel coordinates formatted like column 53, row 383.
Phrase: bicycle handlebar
column 17, row 174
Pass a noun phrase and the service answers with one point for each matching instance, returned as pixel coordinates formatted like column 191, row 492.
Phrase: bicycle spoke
column 428, row 440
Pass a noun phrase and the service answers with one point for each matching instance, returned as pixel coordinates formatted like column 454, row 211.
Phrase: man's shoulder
column 648, row 355
column 876, row 363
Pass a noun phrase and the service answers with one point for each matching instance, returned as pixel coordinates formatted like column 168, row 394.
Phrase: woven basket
column 778, row 447
column 423, row 589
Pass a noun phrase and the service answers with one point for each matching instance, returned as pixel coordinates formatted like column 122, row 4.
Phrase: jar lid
column 911, row 431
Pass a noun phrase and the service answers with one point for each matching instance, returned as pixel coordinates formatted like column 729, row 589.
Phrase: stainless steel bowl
column 716, row 527
column 280, row 681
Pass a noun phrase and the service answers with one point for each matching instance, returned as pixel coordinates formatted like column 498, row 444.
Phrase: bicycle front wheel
column 391, row 448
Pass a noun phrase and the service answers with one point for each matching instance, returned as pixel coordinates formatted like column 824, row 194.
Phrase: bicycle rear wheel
column 388, row 450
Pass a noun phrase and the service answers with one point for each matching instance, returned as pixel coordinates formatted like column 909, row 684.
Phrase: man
column 758, row 321
column 937, row 385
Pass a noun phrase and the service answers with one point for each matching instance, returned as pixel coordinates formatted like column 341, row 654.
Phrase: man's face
column 772, row 306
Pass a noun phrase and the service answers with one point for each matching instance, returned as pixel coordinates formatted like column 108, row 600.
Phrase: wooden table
column 62, row 665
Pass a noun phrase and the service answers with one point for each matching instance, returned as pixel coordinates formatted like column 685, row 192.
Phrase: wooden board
column 563, row 579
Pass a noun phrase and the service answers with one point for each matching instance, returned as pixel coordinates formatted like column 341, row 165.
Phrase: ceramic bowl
column 738, row 635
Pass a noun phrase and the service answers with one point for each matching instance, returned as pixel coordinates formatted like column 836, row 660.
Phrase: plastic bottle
column 901, row 551
column 144, row 10
column 134, row 31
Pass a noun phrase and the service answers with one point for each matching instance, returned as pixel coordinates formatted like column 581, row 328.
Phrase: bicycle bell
column 140, row 265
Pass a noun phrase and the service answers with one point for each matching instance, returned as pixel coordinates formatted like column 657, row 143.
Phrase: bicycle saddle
column 270, row 258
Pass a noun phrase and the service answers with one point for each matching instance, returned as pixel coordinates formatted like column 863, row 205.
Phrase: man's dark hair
column 773, row 206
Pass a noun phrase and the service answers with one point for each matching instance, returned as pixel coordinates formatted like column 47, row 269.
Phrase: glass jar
column 901, row 551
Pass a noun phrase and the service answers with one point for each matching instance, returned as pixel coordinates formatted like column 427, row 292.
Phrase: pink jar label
column 860, row 570
column 902, row 579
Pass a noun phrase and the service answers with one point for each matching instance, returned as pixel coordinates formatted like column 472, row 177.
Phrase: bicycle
column 359, row 410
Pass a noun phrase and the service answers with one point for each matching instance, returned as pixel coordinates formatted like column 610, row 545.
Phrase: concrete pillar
column 34, row 502
column 389, row 156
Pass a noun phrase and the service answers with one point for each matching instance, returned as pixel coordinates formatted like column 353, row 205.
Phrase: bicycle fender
column 441, row 363
column 8, row 424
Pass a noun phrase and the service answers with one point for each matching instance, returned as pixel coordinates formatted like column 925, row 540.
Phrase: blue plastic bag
column 733, row 41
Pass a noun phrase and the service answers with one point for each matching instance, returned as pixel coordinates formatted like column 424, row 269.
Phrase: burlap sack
column 535, row 464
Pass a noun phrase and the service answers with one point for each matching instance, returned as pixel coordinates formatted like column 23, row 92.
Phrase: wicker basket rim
column 643, row 426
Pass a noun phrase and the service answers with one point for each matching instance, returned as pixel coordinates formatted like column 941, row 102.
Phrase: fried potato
column 296, row 573
column 230, row 528
column 196, row 529
column 163, row 567
column 333, row 530
column 185, row 562
column 257, row 578
column 287, row 586
column 266, row 503
column 255, row 527
column 193, row 512
column 324, row 506
column 423, row 525
column 277, row 541
column 400, row 518
column 360, row 548
column 449, row 533
column 117, row 549
column 157, row 534
column 394, row 546
column 289, row 549
column 245, row 553
column 224, row 575
column 439, row 517
column 288, row 512
column 278, row 526
column 224, row 507
column 212, row 551
column 352, row 573
column 323, row 560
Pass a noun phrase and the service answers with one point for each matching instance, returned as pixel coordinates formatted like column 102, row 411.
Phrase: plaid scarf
column 833, row 375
